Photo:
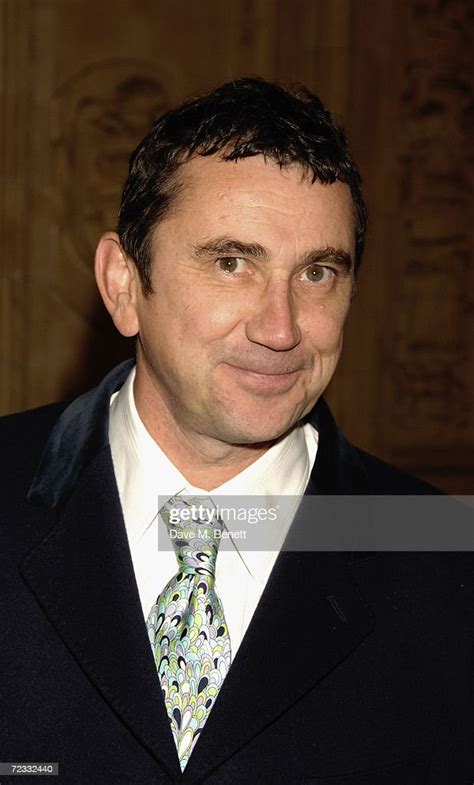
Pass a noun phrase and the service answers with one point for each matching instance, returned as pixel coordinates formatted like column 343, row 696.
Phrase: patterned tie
column 187, row 628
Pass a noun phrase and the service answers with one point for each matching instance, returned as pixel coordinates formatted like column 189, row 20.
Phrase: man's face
column 252, row 278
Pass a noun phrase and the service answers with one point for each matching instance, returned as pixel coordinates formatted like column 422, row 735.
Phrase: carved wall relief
column 103, row 112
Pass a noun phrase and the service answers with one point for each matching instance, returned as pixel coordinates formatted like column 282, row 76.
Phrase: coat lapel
column 309, row 598
column 91, row 599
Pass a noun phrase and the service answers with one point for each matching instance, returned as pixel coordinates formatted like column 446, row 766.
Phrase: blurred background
column 82, row 81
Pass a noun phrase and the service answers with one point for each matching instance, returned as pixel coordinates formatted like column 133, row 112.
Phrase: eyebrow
column 336, row 256
column 226, row 246
column 223, row 246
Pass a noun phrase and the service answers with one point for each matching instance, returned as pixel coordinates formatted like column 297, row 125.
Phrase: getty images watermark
column 321, row 523
column 203, row 518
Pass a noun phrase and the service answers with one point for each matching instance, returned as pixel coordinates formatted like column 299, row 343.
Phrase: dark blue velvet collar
column 82, row 431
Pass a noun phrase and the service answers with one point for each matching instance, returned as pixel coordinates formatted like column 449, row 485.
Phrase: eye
column 231, row 264
column 317, row 273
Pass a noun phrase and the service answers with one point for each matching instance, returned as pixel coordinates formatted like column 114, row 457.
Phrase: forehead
column 255, row 195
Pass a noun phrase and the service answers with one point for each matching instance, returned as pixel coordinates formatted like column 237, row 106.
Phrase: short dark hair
column 243, row 118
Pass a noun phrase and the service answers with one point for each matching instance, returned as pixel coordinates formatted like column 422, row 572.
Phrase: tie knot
column 194, row 528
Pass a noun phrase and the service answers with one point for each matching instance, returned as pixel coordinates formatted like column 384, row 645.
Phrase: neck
column 205, row 462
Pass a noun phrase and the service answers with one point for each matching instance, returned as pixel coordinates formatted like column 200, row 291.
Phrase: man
column 240, row 234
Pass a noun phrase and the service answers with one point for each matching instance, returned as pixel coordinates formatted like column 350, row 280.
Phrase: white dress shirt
column 143, row 472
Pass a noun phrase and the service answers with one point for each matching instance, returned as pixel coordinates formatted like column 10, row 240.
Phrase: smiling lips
column 278, row 382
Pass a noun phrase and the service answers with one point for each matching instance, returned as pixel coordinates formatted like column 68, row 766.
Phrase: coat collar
column 92, row 600
column 78, row 435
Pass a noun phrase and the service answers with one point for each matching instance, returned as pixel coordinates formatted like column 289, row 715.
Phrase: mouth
column 259, row 380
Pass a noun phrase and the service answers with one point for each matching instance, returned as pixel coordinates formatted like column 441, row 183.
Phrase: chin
column 248, row 434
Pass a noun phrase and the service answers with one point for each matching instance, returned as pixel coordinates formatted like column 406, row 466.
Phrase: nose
column 274, row 321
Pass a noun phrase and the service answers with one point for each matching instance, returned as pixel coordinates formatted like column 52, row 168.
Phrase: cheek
column 224, row 313
column 323, row 331
column 188, row 322
column 211, row 316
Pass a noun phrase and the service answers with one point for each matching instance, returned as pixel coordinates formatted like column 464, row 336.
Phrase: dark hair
column 240, row 119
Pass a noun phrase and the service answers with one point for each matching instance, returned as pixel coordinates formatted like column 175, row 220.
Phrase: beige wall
column 81, row 82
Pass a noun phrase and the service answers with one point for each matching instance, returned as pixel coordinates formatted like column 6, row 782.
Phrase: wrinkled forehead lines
column 258, row 189
column 243, row 175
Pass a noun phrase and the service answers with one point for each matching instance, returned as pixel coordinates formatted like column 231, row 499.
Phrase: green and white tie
column 187, row 628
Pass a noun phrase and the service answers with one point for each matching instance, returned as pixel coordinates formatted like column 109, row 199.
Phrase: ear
column 118, row 282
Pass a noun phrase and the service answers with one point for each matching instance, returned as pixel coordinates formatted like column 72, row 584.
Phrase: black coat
column 375, row 690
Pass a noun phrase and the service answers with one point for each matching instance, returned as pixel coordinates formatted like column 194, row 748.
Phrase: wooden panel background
column 80, row 84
